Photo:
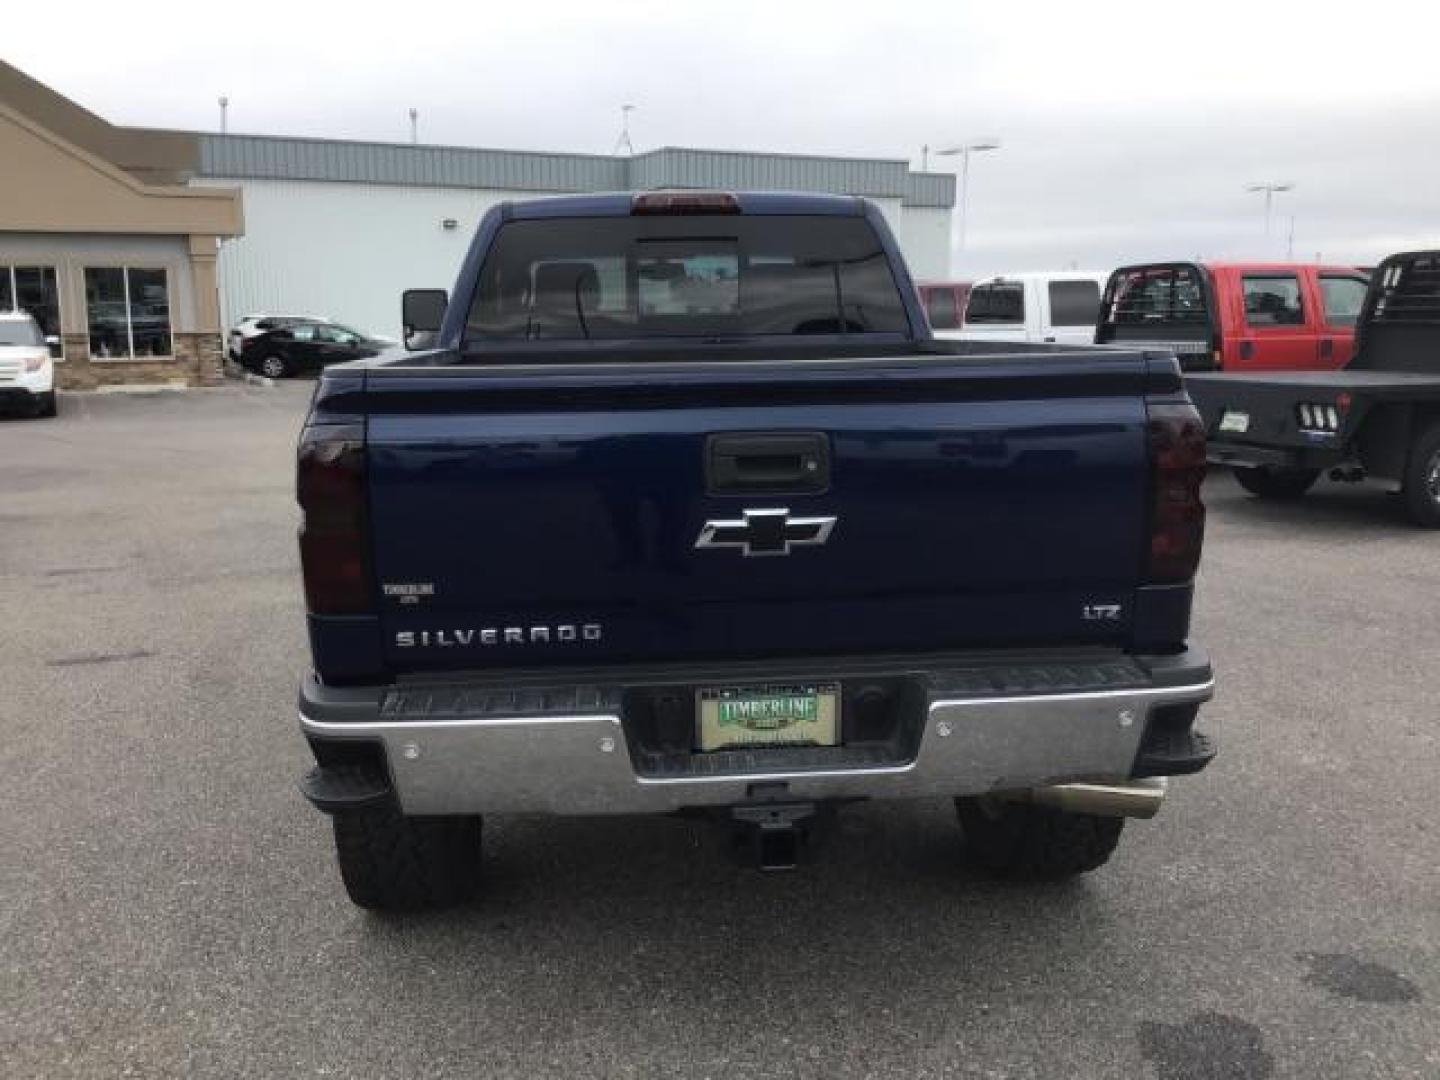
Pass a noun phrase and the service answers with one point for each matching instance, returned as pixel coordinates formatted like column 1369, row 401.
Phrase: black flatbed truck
column 1378, row 418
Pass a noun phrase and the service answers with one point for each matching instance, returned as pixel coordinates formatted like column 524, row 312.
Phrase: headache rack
column 1171, row 293
column 1407, row 290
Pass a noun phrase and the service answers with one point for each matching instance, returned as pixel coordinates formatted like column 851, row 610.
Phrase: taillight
column 1318, row 419
column 1177, row 516
column 330, row 486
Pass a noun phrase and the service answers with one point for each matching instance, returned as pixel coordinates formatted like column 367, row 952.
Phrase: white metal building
column 339, row 229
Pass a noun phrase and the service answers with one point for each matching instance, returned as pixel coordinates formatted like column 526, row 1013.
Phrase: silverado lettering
column 496, row 635
column 625, row 400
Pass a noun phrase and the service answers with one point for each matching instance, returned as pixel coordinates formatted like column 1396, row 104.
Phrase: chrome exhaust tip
column 1128, row 798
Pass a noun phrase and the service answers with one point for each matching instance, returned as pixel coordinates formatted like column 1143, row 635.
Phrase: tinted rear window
column 1074, row 303
column 996, row 303
column 1161, row 294
column 641, row 277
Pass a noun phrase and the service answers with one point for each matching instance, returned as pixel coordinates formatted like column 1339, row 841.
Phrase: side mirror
column 52, row 339
column 421, row 313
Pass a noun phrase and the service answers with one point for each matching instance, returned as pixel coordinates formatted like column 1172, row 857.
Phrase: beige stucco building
column 109, row 234
column 103, row 243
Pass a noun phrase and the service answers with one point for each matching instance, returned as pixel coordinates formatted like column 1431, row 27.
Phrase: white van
column 1061, row 308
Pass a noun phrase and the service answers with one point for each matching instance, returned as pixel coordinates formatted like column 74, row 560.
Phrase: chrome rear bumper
column 1080, row 747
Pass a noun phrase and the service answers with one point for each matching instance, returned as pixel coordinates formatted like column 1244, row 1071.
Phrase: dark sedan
column 305, row 346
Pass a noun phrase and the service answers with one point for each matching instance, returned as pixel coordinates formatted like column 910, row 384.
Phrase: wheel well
column 1383, row 441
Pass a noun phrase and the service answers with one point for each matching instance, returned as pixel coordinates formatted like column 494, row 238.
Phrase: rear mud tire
column 390, row 862
column 1035, row 843
column 1421, row 486
column 1280, row 485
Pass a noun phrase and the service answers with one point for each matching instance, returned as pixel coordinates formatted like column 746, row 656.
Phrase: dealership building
column 135, row 247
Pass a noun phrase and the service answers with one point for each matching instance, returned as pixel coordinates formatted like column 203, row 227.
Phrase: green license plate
column 789, row 715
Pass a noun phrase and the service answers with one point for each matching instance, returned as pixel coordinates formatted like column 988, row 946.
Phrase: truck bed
column 982, row 496
column 1272, row 407
column 1379, row 383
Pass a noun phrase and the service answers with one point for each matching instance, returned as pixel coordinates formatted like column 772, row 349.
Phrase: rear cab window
column 1074, row 303
column 996, row 302
column 616, row 278
column 1272, row 300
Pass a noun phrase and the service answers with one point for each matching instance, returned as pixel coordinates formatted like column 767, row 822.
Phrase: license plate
column 806, row 714
column 1235, row 421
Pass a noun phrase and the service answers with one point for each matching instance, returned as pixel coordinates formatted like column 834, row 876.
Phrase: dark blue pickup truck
column 675, row 505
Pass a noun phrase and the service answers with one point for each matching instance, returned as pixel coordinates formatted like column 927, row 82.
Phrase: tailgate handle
column 739, row 463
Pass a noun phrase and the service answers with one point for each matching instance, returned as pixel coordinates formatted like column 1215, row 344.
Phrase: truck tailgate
column 524, row 517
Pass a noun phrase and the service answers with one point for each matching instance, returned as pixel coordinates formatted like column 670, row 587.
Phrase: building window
column 33, row 289
column 129, row 313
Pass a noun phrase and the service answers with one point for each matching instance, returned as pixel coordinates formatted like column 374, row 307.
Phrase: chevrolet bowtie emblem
column 766, row 532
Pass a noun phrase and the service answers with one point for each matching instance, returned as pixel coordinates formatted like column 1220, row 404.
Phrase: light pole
column 1271, row 190
column 965, row 150
column 623, row 142
column 224, row 113
column 414, row 126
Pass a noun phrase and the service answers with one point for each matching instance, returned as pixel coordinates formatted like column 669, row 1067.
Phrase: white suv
column 27, row 372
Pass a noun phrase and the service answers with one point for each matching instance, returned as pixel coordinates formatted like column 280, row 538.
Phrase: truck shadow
column 1329, row 509
column 580, row 916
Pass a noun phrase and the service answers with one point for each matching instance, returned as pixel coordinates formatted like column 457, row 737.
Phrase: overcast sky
column 1129, row 131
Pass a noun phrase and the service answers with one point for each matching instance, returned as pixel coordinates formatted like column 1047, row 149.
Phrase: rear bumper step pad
column 335, row 788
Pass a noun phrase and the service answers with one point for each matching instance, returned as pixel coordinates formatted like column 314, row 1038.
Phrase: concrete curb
column 137, row 388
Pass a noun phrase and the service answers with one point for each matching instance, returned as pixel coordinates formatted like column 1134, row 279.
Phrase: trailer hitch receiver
column 774, row 834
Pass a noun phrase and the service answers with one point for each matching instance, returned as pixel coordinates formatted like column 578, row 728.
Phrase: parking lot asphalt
column 171, row 906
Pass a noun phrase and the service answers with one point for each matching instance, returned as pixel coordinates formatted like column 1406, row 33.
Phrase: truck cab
column 1056, row 309
column 1237, row 316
